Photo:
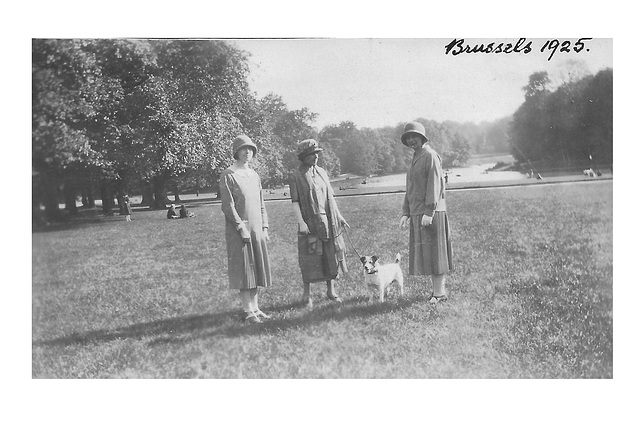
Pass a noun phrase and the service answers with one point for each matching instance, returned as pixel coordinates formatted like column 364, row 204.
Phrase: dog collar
column 373, row 272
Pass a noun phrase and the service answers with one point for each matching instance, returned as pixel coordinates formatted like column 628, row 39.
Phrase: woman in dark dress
column 321, row 248
column 127, row 207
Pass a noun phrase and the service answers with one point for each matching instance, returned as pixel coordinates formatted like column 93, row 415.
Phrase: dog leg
column 381, row 290
column 400, row 281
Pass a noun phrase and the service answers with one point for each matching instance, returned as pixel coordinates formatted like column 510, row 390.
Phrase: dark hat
column 415, row 128
column 242, row 141
column 307, row 147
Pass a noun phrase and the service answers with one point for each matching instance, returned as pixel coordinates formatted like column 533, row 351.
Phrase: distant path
column 451, row 188
column 390, row 190
column 496, row 185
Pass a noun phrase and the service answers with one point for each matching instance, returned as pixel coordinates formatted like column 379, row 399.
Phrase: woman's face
column 245, row 154
column 311, row 159
column 414, row 141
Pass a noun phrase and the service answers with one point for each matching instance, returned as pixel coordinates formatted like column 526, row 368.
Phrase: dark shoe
column 435, row 299
column 252, row 318
column 261, row 314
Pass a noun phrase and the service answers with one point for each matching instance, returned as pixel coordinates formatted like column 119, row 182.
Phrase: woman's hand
column 303, row 228
column 266, row 233
column 244, row 233
column 426, row 220
column 404, row 221
column 344, row 223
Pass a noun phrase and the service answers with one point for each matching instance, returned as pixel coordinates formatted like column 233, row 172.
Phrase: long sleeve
column 293, row 189
column 425, row 185
column 405, row 206
column 228, row 203
column 433, row 184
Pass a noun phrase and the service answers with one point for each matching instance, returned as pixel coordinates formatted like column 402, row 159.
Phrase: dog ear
column 374, row 258
column 363, row 259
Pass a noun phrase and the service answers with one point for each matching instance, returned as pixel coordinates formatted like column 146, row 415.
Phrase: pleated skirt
column 430, row 249
column 249, row 265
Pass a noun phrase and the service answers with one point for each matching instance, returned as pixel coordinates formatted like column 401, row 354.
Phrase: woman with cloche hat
column 246, row 228
column 321, row 248
column 425, row 211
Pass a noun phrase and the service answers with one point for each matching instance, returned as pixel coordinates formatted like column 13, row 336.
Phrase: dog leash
column 351, row 242
column 344, row 230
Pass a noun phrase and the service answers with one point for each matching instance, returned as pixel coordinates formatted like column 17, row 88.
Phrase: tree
column 66, row 82
column 279, row 130
column 567, row 126
column 597, row 123
column 133, row 113
column 450, row 144
column 197, row 105
column 528, row 132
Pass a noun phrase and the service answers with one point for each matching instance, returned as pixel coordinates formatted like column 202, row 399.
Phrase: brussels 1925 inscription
column 458, row 46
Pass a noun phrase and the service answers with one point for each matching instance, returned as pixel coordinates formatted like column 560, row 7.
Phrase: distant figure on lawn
column 425, row 211
column 126, row 207
column 172, row 213
column 246, row 228
column 185, row 213
column 321, row 248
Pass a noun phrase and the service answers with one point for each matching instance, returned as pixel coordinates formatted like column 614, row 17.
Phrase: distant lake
column 471, row 174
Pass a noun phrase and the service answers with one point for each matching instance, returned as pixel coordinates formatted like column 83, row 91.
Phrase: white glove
column 244, row 233
column 266, row 233
column 404, row 221
column 303, row 228
column 343, row 222
column 426, row 220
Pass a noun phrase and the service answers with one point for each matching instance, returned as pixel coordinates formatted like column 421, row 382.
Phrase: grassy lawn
column 531, row 296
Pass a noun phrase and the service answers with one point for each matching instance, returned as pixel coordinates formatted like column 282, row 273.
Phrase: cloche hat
column 415, row 128
column 307, row 147
column 242, row 141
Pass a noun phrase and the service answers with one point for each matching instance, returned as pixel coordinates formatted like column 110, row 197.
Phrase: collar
column 421, row 152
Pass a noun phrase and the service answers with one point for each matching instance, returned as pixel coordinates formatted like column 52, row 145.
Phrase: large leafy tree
column 597, row 123
column 133, row 114
column 345, row 142
column 566, row 127
column 200, row 101
column 67, row 89
column 529, row 130
column 277, row 131
column 118, row 130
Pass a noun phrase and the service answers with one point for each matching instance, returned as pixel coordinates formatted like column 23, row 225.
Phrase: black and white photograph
column 251, row 213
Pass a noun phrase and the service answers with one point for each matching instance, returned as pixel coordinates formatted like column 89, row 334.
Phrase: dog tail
column 398, row 257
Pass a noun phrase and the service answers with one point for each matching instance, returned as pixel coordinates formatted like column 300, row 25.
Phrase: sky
column 377, row 82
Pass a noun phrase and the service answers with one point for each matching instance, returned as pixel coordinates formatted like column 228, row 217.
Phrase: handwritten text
column 522, row 46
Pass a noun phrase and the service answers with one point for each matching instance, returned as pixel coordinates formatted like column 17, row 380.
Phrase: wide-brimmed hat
column 307, row 147
column 242, row 141
column 413, row 127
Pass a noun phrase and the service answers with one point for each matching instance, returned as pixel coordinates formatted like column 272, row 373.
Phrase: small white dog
column 382, row 276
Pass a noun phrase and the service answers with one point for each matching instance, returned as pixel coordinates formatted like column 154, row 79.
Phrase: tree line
column 115, row 117
column 569, row 127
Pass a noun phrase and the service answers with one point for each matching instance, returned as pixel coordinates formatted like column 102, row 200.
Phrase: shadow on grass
column 229, row 323
column 76, row 223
